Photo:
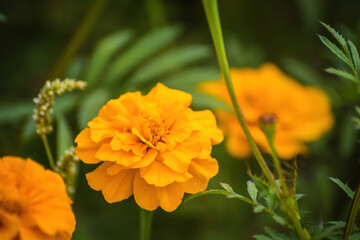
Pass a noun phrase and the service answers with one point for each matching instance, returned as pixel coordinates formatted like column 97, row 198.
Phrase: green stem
column 212, row 14
column 77, row 39
column 156, row 12
column 48, row 152
column 277, row 165
column 352, row 214
column 145, row 224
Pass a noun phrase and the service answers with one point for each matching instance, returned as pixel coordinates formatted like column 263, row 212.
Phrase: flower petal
column 105, row 153
column 160, row 175
column 202, row 170
column 145, row 194
column 86, row 148
column 114, row 187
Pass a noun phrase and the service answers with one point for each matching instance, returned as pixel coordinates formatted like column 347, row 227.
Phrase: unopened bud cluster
column 45, row 101
column 67, row 167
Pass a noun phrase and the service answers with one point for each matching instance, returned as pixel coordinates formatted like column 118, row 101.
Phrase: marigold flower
column 33, row 202
column 153, row 147
column 303, row 113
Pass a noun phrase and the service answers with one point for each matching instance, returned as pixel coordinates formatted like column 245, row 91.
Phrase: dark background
column 35, row 34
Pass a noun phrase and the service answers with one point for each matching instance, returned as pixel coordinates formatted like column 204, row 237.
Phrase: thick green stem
column 352, row 214
column 212, row 14
column 48, row 152
column 145, row 224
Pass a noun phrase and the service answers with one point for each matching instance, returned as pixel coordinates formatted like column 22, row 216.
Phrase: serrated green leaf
column 279, row 219
column 90, row 106
column 227, row 187
column 354, row 55
column 258, row 209
column 64, row 136
column 333, row 48
column 344, row 187
column 336, row 35
column 142, row 49
column 342, row 74
column 104, row 51
column 169, row 61
column 14, row 112
column 261, row 237
column 252, row 190
column 275, row 235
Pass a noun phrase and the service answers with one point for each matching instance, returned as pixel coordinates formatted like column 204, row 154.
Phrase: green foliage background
column 133, row 45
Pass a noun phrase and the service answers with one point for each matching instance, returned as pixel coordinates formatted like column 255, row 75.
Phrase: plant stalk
column 48, row 152
column 145, row 224
column 352, row 214
column 212, row 14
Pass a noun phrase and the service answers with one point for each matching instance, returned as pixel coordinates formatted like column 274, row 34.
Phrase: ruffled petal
column 160, row 175
column 115, row 187
column 105, row 153
column 201, row 170
column 145, row 194
column 86, row 148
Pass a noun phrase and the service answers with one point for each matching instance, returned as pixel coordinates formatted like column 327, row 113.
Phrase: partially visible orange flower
column 303, row 113
column 33, row 202
column 153, row 147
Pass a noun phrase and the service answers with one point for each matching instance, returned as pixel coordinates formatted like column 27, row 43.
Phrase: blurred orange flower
column 153, row 147
column 303, row 113
column 33, row 202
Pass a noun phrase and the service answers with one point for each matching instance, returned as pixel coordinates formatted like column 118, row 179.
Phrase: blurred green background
column 130, row 45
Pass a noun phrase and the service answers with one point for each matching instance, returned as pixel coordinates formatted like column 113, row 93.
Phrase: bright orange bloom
column 303, row 113
column 33, row 202
column 153, row 147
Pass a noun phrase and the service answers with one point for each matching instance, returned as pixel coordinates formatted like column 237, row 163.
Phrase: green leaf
column 188, row 78
column 104, row 51
column 261, row 237
column 227, row 187
column 14, row 112
column 355, row 236
column 336, row 35
column 343, row 186
column 259, row 208
column 342, row 74
column 29, row 129
column 252, row 190
column 298, row 196
column 354, row 55
column 64, row 136
column 335, row 50
column 275, row 235
column 168, row 62
column 347, row 137
column 142, row 49
column 357, row 109
column 90, row 106
column 65, row 103
column 279, row 219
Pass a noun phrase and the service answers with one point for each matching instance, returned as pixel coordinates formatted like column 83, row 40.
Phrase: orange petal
column 105, row 153
column 170, row 196
column 202, row 170
column 145, row 194
column 116, row 187
column 146, row 160
column 86, row 148
column 168, row 97
column 179, row 158
column 160, row 175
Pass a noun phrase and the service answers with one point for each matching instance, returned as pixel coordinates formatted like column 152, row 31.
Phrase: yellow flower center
column 155, row 127
column 11, row 206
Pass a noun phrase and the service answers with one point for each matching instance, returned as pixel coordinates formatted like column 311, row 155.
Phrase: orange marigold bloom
column 303, row 113
column 33, row 202
column 153, row 147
